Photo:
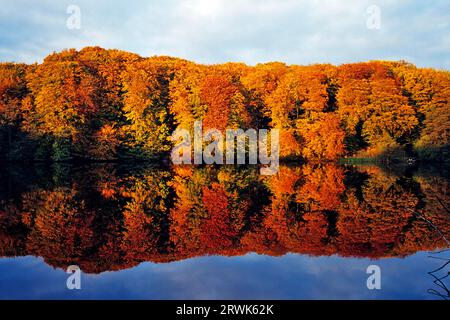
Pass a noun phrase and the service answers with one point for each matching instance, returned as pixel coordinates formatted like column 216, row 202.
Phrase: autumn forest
column 97, row 104
column 86, row 181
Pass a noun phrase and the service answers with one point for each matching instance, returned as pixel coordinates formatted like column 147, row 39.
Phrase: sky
column 218, row 31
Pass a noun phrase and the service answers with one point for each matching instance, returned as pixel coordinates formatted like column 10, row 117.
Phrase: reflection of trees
column 301, row 206
column 374, row 223
column 108, row 218
column 61, row 224
column 144, row 214
column 12, row 231
column 211, row 209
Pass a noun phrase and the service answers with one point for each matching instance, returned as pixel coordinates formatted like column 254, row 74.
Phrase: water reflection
column 441, row 275
column 107, row 217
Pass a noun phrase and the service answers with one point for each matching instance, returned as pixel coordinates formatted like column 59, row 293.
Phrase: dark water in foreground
column 309, row 232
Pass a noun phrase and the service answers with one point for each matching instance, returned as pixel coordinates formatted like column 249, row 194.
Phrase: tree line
column 98, row 104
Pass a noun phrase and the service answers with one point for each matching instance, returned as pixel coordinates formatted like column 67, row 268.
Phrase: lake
column 185, row 232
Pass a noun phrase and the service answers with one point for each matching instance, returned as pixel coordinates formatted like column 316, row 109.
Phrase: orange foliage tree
column 102, row 104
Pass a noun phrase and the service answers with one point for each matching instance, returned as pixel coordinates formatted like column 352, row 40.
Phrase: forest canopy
column 98, row 104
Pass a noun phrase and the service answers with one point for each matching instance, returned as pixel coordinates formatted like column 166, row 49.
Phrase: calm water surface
column 140, row 232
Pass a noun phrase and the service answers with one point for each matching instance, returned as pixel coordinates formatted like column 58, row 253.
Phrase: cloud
column 216, row 31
